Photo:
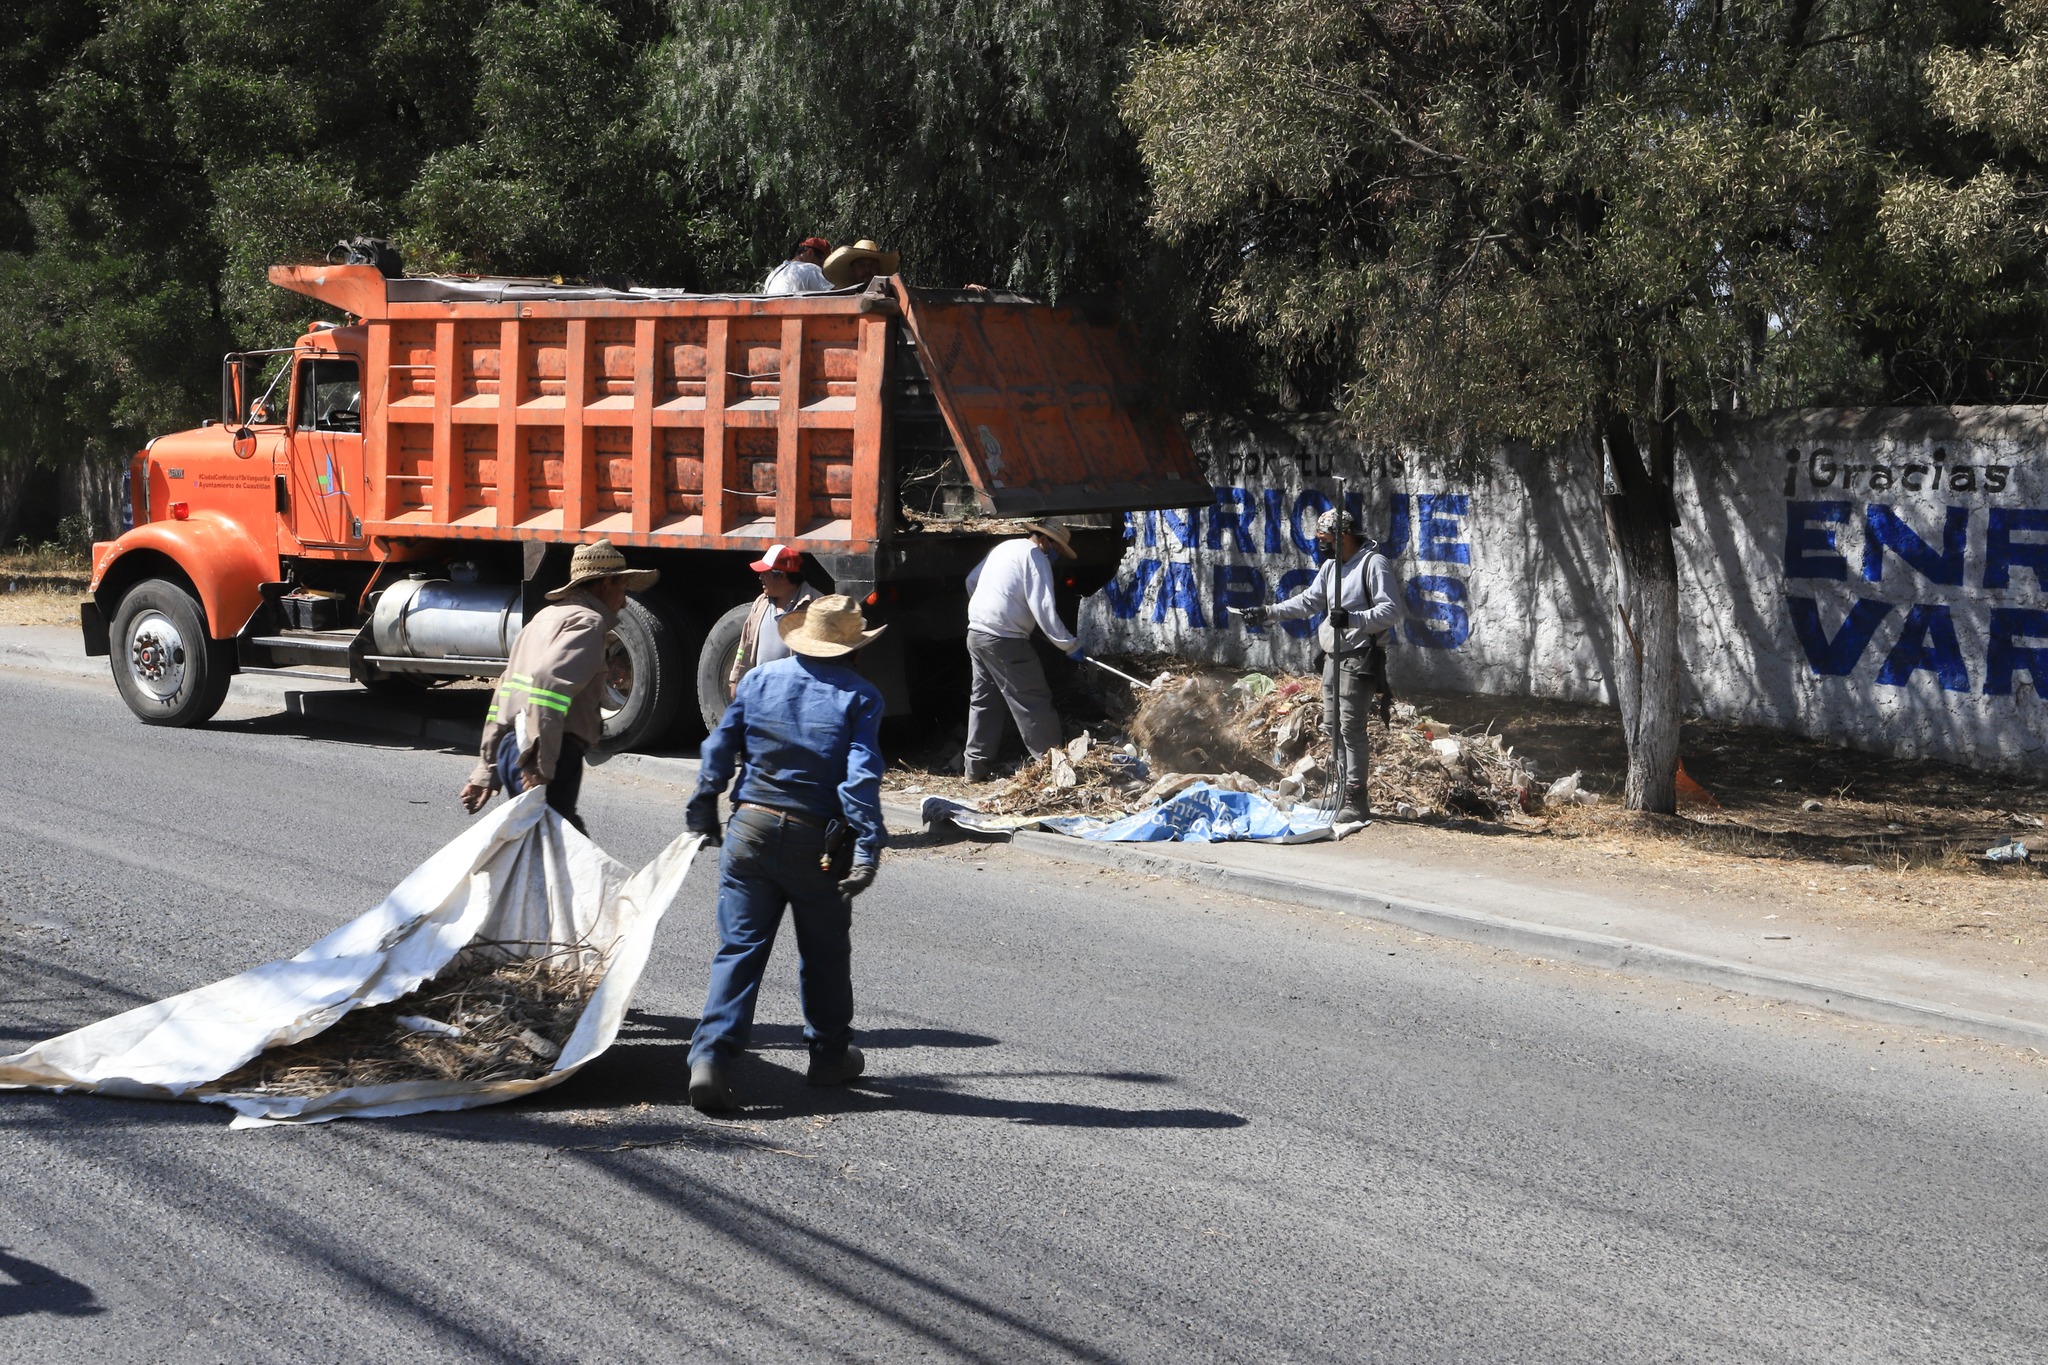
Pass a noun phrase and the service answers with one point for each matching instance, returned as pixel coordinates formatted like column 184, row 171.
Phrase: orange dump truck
column 391, row 497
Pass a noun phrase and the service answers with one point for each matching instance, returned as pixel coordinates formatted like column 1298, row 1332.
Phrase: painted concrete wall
column 1877, row 578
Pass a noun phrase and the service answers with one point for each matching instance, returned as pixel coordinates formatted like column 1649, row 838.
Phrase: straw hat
column 598, row 560
column 853, row 264
column 827, row 628
column 1058, row 535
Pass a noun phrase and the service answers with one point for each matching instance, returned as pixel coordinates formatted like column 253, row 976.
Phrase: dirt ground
column 1811, row 831
column 41, row 588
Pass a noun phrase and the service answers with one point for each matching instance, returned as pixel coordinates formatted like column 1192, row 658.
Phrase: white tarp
column 520, row 874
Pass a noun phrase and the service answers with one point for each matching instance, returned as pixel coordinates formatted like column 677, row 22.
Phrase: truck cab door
column 325, row 478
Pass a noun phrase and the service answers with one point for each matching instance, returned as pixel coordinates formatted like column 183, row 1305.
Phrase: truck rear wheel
column 714, row 664
column 169, row 670
column 643, row 682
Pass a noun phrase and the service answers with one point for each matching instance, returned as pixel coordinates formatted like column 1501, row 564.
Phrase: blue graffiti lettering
column 1884, row 530
column 1809, row 549
column 1177, row 592
column 2006, row 655
column 1239, row 586
column 1927, row 641
column 1276, row 517
column 1235, row 510
column 1306, row 500
column 1837, row 657
column 1439, row 534
column 2003, row 554
column 1396, row 542
column 1436, row 613
column 1185, row 524
column 1292, row 584
column 1125, row 601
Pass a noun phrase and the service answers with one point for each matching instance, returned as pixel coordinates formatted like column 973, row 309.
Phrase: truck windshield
column 330, row 396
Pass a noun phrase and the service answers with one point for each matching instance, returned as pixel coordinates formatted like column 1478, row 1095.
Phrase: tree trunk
column 1639, row 515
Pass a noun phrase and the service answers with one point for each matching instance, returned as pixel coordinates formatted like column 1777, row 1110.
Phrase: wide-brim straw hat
column 1058, row 535
column 599, row 560
column 827, row 628
column 853, row 264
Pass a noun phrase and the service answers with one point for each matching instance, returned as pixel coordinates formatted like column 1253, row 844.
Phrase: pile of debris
column 489, row 1016
column 1080, row 778
column 1258, row 733
column 1195, row 724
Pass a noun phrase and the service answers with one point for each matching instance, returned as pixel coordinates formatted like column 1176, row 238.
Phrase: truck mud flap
column 93, row 627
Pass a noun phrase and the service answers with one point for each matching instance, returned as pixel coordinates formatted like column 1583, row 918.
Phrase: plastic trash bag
column 521, row 873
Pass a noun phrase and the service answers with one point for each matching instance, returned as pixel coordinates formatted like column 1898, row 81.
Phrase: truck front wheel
column 714, row 664
column 169, row 670
column 643, row 681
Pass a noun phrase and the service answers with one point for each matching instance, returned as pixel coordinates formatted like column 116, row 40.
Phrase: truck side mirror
column 234, row 380
column 245, row 443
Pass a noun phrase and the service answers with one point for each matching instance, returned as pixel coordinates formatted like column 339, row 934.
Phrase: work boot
column 710, row 1087
column 835, row 1068
column 1355, row 808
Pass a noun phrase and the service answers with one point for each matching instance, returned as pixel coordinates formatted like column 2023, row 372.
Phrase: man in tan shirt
column 545, row 712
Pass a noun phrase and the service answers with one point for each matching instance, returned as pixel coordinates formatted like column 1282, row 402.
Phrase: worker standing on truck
column 806, row 833
column 800, row 274
column 851, row 267
column 1356, row 587
column 545, row 715
column 1010, row 592
column 783, row 591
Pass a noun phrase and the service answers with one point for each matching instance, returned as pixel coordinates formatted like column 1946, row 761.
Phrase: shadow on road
column 39, row 1289
column 650, row 1065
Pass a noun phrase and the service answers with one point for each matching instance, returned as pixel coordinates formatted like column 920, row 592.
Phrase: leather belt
column 780, row 814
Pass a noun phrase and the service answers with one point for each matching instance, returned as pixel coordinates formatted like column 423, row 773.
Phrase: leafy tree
column 1966, row 221
column 978, row 137
column 1573, row 222
column 161, row 154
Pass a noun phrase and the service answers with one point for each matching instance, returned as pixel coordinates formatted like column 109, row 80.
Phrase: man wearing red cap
column 783, row 591
column 802, row 273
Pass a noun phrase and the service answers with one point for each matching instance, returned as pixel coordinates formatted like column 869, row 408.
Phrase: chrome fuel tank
column 433, row 618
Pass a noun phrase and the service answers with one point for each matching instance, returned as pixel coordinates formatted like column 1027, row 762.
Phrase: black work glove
column 701, row 817
column 1255, row 616
column 858, row 880
column 1340, row 618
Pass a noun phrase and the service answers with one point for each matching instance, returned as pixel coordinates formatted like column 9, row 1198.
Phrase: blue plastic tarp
column 1201, row 814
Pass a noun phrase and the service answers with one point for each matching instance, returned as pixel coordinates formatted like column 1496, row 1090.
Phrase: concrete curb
column 1470, row 926
column 1541, row 940
column 340, row 708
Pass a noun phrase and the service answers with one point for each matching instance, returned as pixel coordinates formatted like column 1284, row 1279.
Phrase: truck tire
column 714, row 664
column 644, row 678
column 169, row 670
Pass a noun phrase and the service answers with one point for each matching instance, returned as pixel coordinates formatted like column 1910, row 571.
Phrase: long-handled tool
column 1138, row 683
column 1340, row 755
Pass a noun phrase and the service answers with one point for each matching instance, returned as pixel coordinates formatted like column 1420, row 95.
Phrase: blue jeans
column 562, row 791
column 770, row 862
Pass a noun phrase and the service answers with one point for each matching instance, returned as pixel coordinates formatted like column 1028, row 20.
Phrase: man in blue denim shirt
column 805, row 733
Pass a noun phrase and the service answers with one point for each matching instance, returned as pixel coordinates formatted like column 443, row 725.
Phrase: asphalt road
column 1108, row 1119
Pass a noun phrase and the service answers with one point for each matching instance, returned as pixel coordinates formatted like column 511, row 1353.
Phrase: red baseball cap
column 779, row 558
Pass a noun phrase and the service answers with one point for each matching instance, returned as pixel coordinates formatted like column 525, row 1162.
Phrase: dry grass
column 42, row 587
column 38, row 607
column 513, row 1015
